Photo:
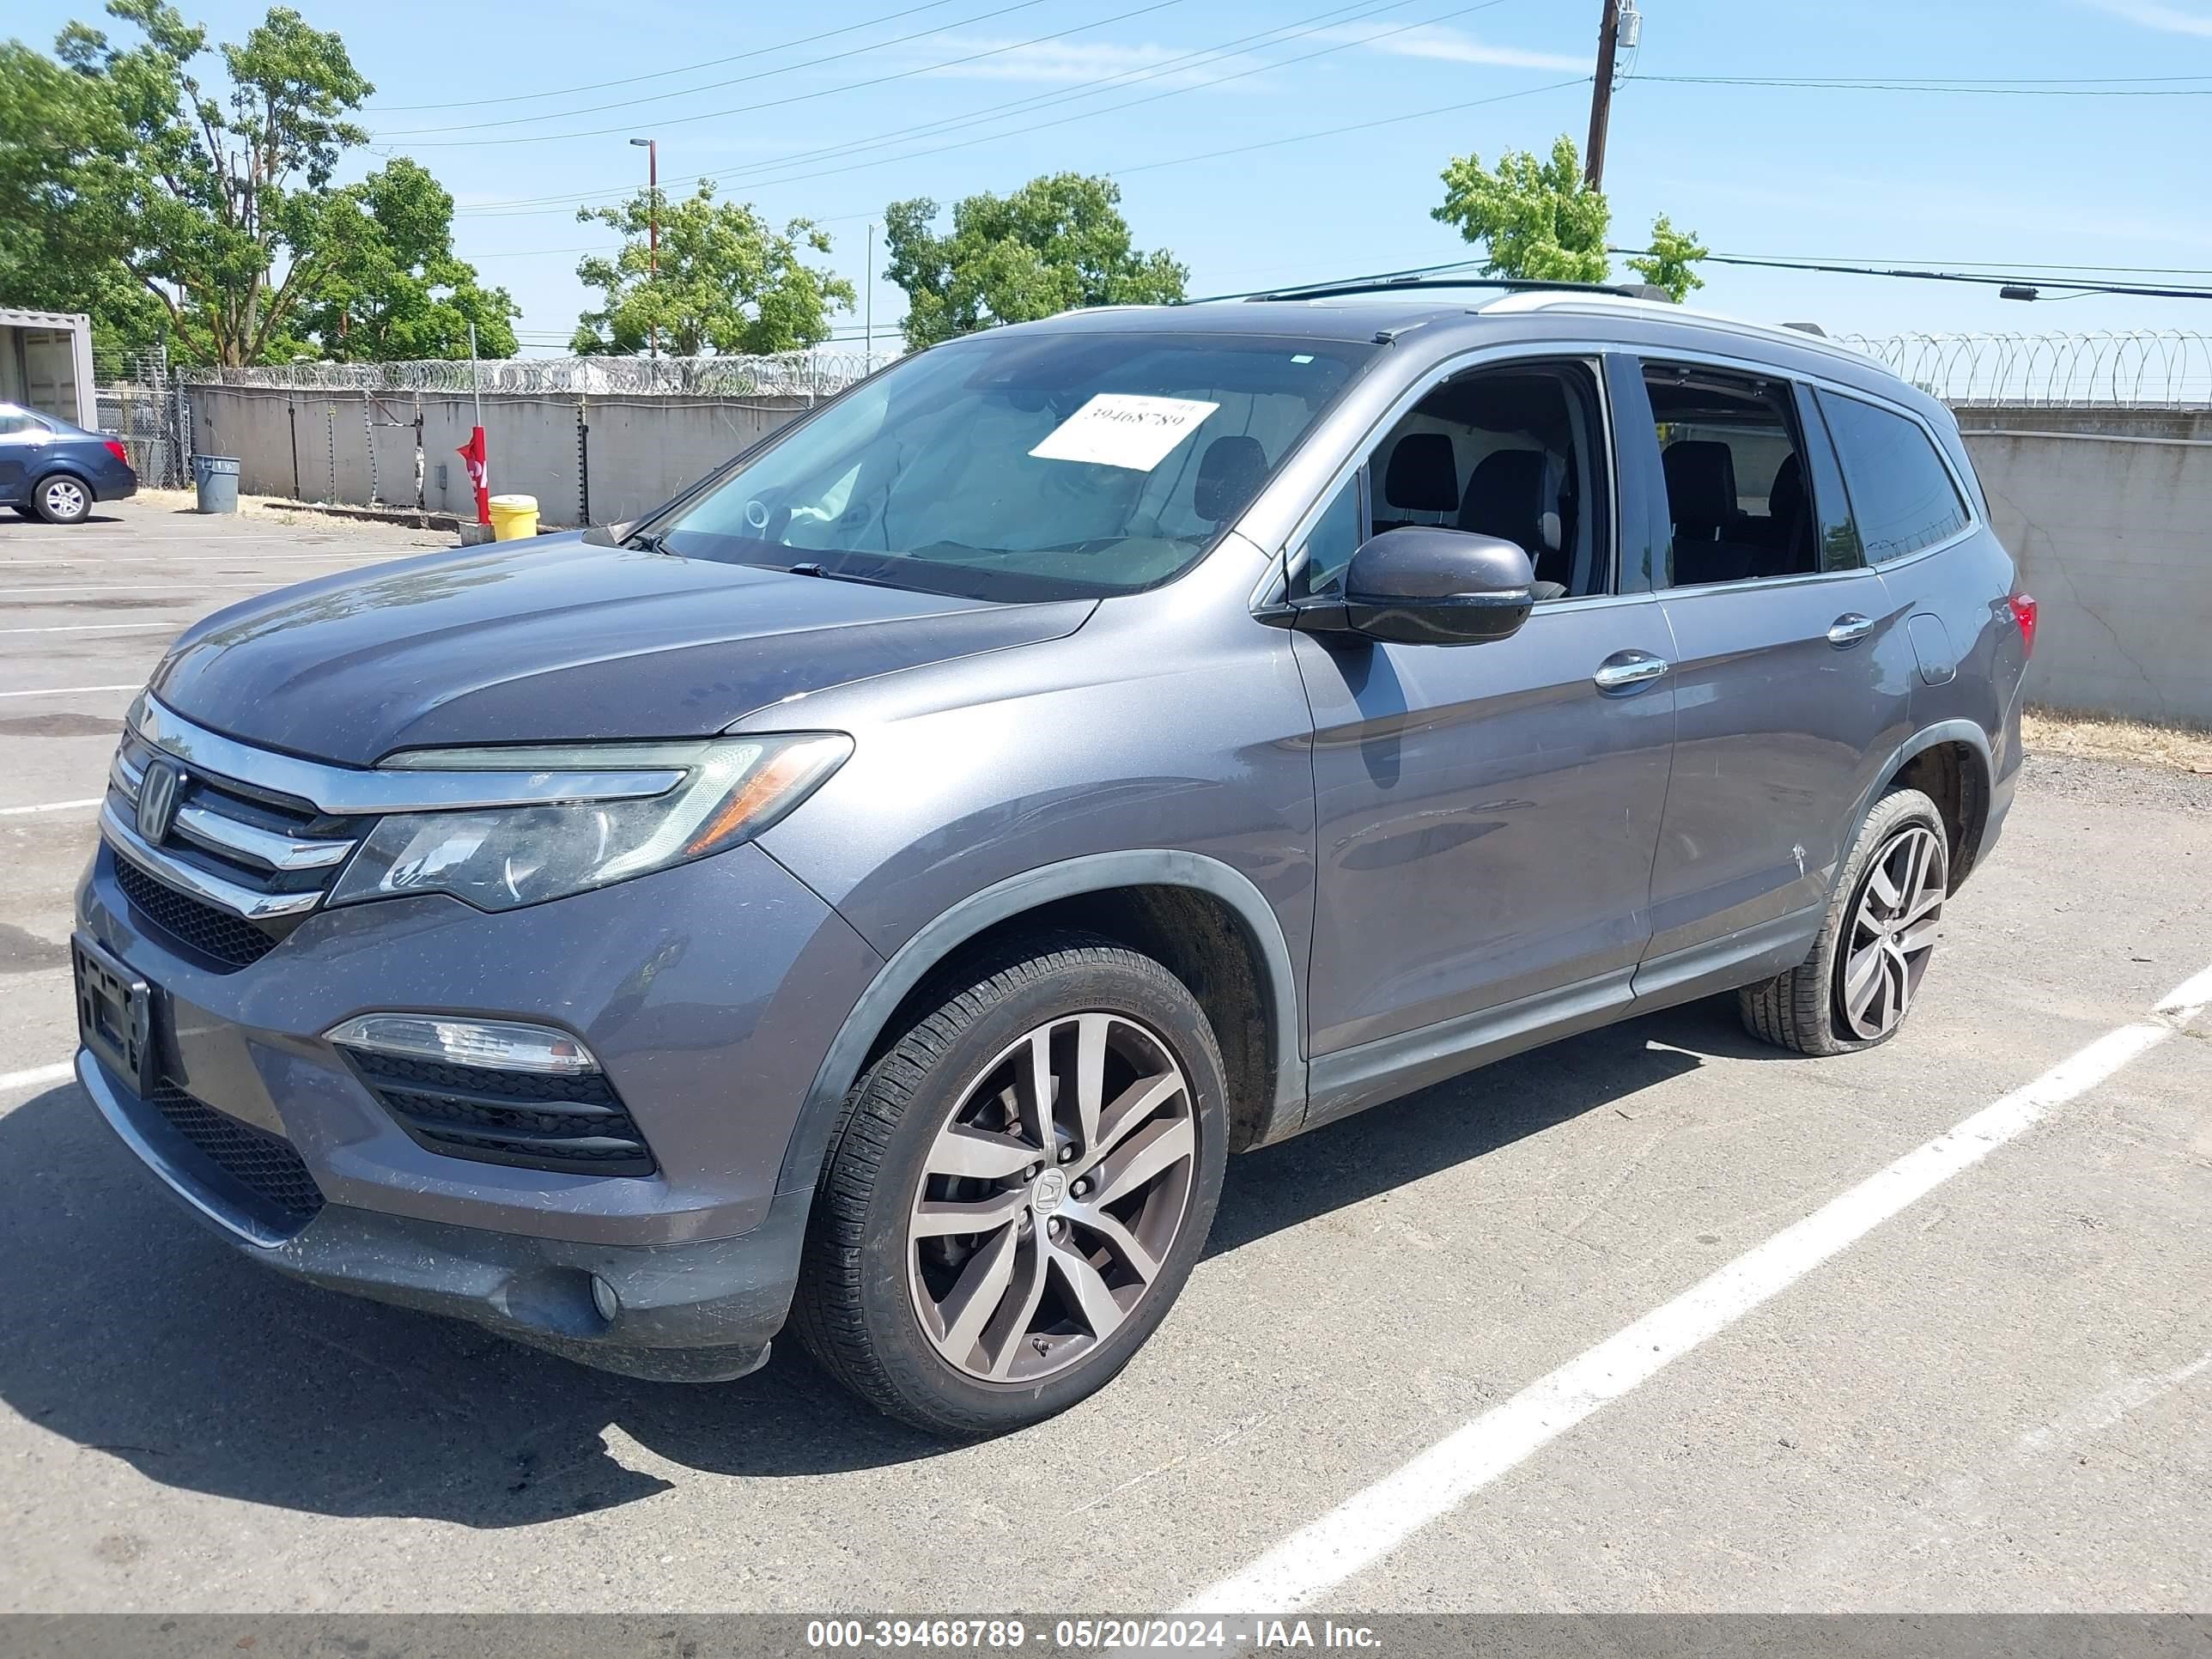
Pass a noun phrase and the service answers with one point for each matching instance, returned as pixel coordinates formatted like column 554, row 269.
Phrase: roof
column 67, row 319
column 1477, row 311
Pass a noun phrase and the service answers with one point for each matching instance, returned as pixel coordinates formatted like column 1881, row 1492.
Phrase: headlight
column 497, row 858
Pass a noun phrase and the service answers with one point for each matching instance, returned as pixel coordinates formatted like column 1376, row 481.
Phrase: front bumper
column 709, row 993
column 698, row 1312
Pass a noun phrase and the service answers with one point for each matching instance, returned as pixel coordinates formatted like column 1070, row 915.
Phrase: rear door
column 1792, row 673
column 1487, row 813
column 20, row 440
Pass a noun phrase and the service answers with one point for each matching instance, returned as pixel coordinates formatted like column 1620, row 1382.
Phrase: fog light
column 504, row 1045
column 605, row 1299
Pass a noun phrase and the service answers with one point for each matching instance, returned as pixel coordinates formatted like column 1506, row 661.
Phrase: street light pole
column 652, row 148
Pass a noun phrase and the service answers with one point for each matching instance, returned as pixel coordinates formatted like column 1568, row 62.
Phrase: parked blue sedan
column 54, row 471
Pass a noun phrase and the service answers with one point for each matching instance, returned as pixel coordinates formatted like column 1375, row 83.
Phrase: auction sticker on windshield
column 1120, row 428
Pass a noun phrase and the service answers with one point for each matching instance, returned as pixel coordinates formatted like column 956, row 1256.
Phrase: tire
column 966, row 1335
column 1822, row 1006
column 62, row 498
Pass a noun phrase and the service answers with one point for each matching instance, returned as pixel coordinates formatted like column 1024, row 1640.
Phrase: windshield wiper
column 649, row 541
column 809, row 567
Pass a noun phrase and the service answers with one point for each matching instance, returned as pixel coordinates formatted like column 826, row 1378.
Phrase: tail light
column 118, row 451
column 2023, row 613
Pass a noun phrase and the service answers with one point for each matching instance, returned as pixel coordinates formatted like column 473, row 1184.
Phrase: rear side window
column 1737, row 490
column 1902, row 494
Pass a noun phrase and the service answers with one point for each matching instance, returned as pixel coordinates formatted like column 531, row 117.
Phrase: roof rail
column 1393, row 285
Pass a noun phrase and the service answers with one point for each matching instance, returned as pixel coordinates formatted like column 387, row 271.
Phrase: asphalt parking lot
column 1997, row 1398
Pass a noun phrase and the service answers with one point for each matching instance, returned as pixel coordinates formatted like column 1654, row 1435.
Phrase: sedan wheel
column 1051, row 1197
column 62, row 499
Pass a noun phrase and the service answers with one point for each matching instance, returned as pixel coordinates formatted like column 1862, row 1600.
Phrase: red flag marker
column 472, row 458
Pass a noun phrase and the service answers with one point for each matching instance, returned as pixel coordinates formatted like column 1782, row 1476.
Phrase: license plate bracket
column 115, row 1014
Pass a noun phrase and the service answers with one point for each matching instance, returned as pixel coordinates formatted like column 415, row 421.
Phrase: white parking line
column 1370, row 1524
column 71, row 690
column 96, row 628
column 6, row 594
column 37, row 1078
column 48, row 806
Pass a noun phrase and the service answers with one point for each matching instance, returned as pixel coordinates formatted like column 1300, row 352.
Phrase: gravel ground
column 2117, row 784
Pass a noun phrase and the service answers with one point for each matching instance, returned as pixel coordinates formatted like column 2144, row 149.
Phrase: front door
column 1485, row 814
column 1792, row 673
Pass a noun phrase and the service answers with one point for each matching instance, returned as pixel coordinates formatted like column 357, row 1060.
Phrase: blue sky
column 1925, row 179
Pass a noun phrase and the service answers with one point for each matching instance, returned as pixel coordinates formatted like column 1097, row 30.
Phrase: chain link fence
column 141, row 401
column 2144, row 369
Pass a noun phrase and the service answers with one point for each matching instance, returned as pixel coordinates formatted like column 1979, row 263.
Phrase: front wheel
column 1017, row 1191
column 58, row 498
column 1874, row 947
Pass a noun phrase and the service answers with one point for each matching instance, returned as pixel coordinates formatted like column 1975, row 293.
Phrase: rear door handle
column 1629, row 671
column 1849, row 630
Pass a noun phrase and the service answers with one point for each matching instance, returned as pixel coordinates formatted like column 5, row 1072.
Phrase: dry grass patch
column 2096, row 737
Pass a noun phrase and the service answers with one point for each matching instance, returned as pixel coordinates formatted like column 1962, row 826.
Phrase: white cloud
column 1061, row 61
column 2174, row 20
column 1452, row 46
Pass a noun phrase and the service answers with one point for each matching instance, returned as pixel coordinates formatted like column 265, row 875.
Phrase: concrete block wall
column 2109, row 514
column 625, row 454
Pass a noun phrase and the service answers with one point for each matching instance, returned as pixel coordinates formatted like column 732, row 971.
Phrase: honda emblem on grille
column 157, row 799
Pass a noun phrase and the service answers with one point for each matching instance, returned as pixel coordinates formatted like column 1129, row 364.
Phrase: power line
column 1358, row 11
column 660, row 75
column 2022, row 89
column 1982, row 279
column 803, row 97
column 1133, row 103
column 716, row 86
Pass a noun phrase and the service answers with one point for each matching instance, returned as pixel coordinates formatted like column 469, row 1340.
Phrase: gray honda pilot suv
column 878, row 890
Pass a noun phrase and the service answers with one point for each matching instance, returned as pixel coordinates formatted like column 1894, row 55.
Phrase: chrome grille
column 233, row 850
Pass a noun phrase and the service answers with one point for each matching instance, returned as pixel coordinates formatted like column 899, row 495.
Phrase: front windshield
column 1026, row 466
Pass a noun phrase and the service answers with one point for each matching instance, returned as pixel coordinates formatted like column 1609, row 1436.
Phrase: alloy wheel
column 1892, row 933
column 1050, row 1200
column 64, row 498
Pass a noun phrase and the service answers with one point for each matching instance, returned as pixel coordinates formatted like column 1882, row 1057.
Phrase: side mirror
column 1423, row 585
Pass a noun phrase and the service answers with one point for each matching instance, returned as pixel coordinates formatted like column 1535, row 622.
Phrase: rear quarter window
column 1903, row 497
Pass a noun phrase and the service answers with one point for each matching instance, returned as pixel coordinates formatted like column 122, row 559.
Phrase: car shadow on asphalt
column 133, row 1331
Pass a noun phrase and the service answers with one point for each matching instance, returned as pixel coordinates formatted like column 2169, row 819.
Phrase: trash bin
column 513, row 517
column 216, row 477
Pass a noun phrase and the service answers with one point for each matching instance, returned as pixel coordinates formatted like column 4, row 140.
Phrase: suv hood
column 556, row 640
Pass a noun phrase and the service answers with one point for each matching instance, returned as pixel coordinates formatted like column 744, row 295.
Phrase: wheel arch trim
column 1965, row 732
column 1004, row 900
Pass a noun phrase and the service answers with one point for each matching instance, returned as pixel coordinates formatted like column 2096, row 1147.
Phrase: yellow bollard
column 513, row 517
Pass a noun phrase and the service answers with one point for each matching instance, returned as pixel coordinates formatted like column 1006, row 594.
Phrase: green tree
column 1669, row 262
column 1056, row 243
column 727, row 282
column 58, row 242
column 392, row 289
column 174, row 202
column 1537, row 219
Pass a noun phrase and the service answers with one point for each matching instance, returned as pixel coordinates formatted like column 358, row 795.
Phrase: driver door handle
column 1849, row 630
column 1629, row 671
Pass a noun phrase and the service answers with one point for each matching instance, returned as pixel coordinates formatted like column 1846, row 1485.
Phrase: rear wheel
column 1017, row 1191
column 1874, row 948
column 61, row 498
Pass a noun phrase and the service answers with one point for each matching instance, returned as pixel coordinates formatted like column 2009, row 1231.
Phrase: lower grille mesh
column 231, row 941
column 575, row 1125
column 262, row 1165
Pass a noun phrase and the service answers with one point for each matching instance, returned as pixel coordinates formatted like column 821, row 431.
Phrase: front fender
column 1004, row 900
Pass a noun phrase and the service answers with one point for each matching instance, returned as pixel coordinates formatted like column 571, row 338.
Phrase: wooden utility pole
column 1608, row 43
